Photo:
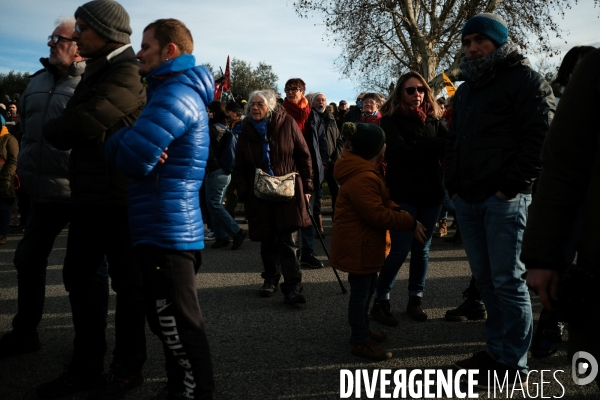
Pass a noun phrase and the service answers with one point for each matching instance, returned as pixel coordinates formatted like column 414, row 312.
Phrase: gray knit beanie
column 313, row 98
column 108, row 18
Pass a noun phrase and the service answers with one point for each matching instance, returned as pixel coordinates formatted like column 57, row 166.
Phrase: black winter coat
column 413, row 153
column 497, row 130
column 218, row 139
column 109, row 97
column 570, row 179
column 315, row 136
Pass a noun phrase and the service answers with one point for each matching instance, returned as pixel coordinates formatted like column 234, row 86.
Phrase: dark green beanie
column 108, row 18
column 366, row 140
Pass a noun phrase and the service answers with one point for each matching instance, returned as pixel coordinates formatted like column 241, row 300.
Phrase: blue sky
column 254, row 31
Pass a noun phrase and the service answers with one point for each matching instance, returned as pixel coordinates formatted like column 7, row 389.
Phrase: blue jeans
column 402, row 243
column 492, row 233
column 447, row 205
column 361, row 291
column 223, row 224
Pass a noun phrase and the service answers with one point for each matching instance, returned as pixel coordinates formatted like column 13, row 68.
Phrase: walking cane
column 314, row 224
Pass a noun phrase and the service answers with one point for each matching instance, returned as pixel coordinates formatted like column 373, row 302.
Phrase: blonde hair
column 393, row 102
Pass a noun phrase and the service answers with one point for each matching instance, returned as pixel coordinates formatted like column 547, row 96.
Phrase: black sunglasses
column 57, row 38
column 411, row 90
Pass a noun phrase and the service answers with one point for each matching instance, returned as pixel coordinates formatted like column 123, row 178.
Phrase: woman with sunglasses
column 415, row 139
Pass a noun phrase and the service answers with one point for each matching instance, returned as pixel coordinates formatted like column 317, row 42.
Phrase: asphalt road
column 265, row 349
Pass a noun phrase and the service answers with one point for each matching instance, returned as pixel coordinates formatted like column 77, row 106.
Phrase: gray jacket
column 43, row 170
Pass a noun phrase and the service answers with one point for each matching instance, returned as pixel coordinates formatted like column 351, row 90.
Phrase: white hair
column 268, row 97
column 65, row 21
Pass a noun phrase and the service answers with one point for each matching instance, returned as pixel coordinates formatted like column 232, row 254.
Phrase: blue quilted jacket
column 164, row 205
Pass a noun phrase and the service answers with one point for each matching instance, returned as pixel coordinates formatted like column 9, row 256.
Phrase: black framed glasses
column 359, row 99
column 57, row 38
column 292, row 89
column 411, row 90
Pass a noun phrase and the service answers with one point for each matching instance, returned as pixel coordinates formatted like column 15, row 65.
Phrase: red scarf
column 419, row 113
column 299, row 112
column 371, row 119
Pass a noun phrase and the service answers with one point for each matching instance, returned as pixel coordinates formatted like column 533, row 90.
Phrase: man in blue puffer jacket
column 164, row 209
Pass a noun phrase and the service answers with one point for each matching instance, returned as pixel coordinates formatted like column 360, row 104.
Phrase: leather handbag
column 273, row 188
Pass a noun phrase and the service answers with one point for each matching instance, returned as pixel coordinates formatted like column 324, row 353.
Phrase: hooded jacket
column 164, row 204
column 363, row 213
column 109, row 97
column 44, row 170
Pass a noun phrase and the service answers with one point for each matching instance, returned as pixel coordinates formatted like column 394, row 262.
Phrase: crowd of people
column 138, row 168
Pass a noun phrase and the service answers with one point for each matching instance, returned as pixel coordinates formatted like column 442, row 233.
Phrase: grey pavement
column 265, row 349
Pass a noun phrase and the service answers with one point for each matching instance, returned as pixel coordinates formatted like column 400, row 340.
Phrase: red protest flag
column 227, row 79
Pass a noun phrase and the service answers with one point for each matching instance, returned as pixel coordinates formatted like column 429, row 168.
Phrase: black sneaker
column 480, row 360
column 267, row 289
column 381, row 313
column 549, row 331
column 294, row 297
column 309, row 260
column 116, row 386
column 413, row 308
column 470, row 309
column 65, row 385
column 13, row 343
column 238, row 239
column 224, row 242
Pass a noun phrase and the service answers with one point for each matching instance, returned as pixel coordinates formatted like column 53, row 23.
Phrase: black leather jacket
column 497, row 130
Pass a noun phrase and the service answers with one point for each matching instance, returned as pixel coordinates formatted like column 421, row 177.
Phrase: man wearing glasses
column 44, row 176
column 109, row 97
column 355, row 111
column 501, row 115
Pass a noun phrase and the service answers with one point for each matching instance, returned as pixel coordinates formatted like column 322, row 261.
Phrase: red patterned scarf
column 419, row 113
column 299, row 112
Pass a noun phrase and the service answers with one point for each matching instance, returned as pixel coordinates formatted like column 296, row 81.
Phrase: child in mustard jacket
column 363, row 213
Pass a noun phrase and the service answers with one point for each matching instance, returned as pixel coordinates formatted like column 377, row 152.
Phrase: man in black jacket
column 109, row 97
column 501, row 115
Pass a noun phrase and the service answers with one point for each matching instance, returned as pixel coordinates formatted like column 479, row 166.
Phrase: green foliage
column 14, row 82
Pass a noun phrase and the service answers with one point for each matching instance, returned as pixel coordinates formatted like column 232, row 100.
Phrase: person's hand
column 501, row 195
column 419, row 233
column 453, row 196
column 163, row 157
column 544, row 282
column 307, row 197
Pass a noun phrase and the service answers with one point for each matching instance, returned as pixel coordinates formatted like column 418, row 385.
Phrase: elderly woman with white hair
column 271, row 140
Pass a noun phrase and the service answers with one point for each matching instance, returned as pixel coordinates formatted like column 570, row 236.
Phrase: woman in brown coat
column 271, row 140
